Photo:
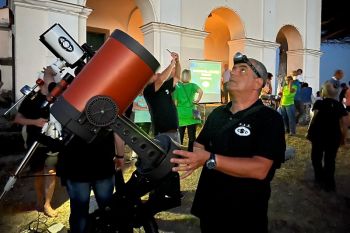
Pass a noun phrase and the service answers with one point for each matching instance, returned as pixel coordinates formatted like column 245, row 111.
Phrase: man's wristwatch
column 211, row 162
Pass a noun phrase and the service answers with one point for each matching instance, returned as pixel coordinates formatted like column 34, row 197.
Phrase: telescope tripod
column 128, row 211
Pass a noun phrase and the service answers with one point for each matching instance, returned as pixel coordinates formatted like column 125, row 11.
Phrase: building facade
column 283, row 34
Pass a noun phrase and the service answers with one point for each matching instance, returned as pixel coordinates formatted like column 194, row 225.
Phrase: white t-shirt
column 226, row 75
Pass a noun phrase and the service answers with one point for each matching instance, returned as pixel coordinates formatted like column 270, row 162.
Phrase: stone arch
column 223, row 25
column 126, row 15
column 134, row 23
column 290, row 51
column 147, row 9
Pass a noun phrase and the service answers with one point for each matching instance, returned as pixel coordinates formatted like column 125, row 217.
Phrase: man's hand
column 40, row 122
column 189, row 161
column 49, row 75
column 175, row 56
column 119, row 163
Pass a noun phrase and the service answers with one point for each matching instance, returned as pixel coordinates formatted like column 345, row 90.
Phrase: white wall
column 33, row 19
column 261, row 21
column 5, row 43
column 6, row 52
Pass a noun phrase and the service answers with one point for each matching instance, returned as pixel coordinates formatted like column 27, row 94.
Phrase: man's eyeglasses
column 240, row 58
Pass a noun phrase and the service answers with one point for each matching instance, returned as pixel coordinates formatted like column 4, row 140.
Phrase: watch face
column 211, row 164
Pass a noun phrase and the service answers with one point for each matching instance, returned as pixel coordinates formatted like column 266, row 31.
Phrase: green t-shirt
column 184, row 95
column 287, row 96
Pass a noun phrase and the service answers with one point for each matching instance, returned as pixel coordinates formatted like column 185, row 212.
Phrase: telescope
column 96, row 98
column 69, row 54
column 103, row 89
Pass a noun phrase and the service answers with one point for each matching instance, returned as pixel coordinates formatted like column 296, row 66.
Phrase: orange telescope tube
column 119, row 70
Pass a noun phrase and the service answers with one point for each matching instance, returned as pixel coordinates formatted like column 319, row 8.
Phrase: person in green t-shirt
column 142, row 117
column 185, row 101
column 287, row 105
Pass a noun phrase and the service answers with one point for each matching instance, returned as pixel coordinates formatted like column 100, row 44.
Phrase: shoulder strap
column 189, row 101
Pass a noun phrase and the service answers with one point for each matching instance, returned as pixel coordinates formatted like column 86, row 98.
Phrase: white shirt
column 226, row 75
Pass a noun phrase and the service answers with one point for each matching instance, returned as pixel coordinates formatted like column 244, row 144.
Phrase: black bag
column 196, row 114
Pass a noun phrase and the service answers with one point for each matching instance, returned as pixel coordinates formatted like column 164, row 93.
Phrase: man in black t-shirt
column 158, row 95
column 240, row 147
column 34, row 117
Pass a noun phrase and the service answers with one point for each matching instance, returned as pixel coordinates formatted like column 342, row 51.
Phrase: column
column 309, row 61
column 158, row 37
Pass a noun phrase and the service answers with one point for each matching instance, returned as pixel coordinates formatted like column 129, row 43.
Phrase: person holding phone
column 158, row 95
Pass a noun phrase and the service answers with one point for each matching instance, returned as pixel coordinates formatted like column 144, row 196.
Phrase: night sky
column 2, row 3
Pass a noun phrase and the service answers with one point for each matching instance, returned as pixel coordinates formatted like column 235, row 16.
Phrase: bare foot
column 50, row 212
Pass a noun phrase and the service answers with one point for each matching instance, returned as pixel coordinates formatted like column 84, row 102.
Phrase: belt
column 169, row 131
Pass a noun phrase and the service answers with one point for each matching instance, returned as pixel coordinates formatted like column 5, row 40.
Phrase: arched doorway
column 289, row 53
column 125, row 15
column 224, row 26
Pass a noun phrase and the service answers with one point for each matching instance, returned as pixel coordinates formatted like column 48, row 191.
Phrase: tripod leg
column 12, row 180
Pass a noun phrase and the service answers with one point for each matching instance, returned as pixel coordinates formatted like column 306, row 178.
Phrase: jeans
column 191, row 131
column 299, row 107
column 79, row 195
column 288, row 114
column 173, row 135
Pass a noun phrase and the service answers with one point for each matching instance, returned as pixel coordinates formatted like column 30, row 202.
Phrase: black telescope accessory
column 101, row 111
column 153, row 167
column 126, row 210
column 153, row 154
column 65, row 48
column 26, row 91
column 62, row 45
column 88, row 51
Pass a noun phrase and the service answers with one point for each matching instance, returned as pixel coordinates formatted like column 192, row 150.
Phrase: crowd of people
column 235, row 175
column 327, row 117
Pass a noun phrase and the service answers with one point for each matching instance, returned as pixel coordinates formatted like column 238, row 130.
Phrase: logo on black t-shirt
column 243, row 130
column 167, row 91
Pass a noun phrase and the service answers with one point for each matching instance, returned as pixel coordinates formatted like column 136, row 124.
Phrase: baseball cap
column 258, row 68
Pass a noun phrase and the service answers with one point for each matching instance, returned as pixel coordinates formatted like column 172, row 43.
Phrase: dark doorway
column 95, row 37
